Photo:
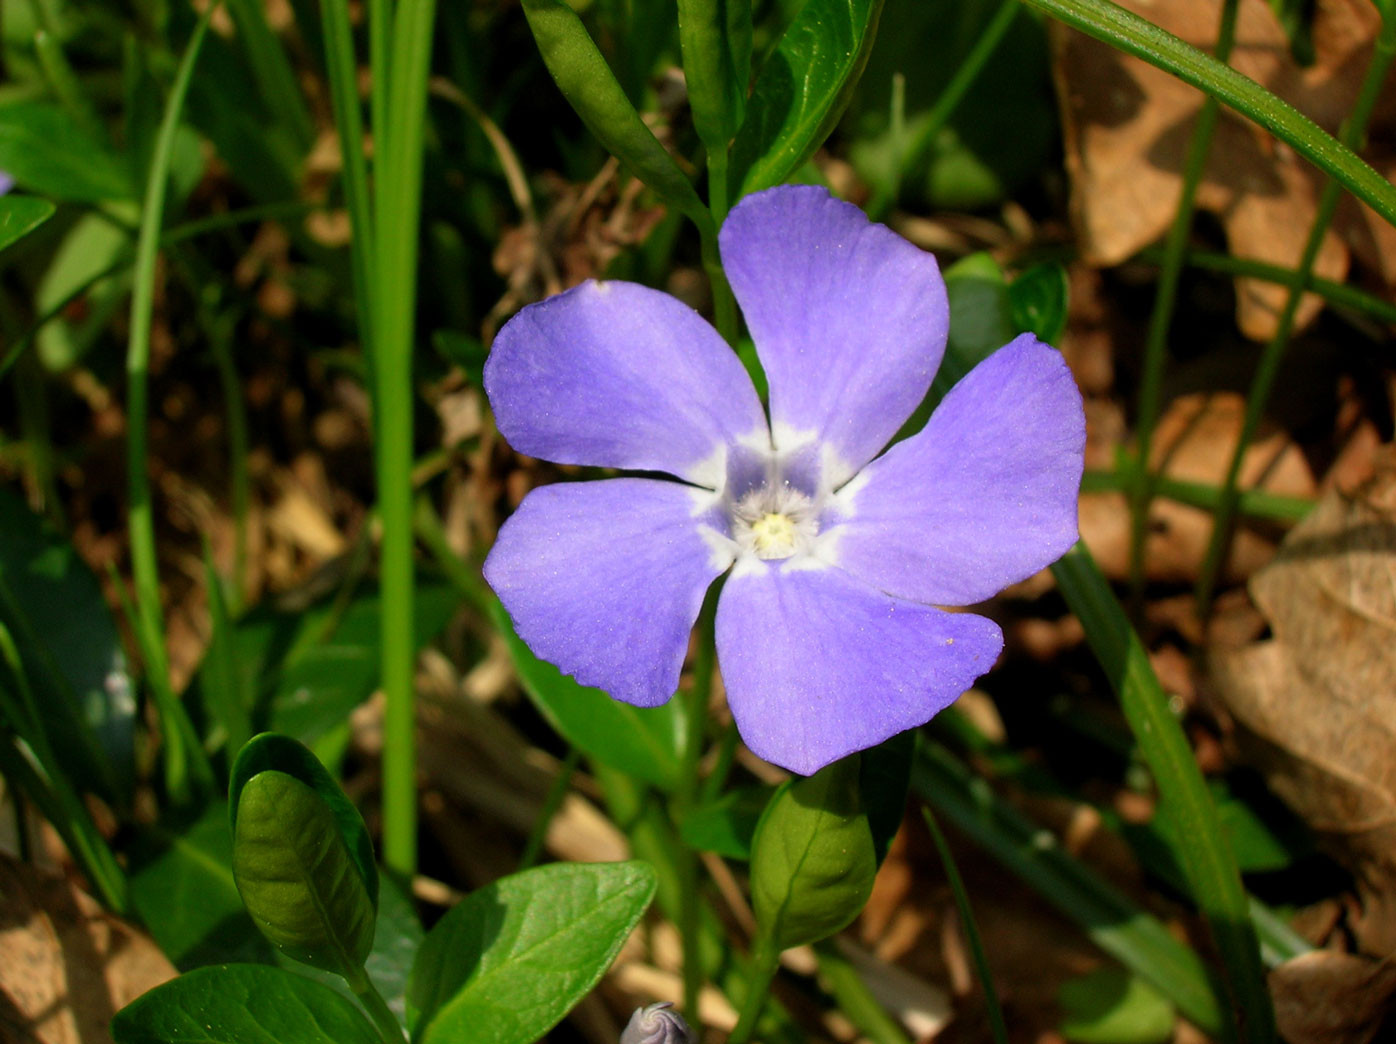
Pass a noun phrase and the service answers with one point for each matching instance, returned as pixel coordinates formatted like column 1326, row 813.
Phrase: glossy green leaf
column 642, row 741
column 241, row 1004
column 813, row 858
column 275, row 753
column 302, row 857
column 53, row 607
column 1038, row 299
column 20, row 215
column 1111, row 1006
column 727, row 825
column 46, row 151
column 507, row 962
column 802, row 89
column 588, row 84
column 183, row 889
column 715, row 36
column 1134, row 35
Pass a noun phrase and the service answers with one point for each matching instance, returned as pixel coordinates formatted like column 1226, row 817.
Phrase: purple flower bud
column 657, row 1024
column 6, row 183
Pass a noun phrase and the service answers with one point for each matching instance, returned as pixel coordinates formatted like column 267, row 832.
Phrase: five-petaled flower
column 830, row 638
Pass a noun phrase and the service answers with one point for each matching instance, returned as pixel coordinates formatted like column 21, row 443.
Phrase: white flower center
column 774, row 522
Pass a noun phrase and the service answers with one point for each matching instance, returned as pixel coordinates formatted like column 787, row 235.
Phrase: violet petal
column 618, row 375
column 605, row 579
column 982, row 497
column 849, row 319
column 818, row 665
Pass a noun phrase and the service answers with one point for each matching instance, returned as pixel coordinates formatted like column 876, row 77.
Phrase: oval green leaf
column 20, row 215
column 296, row 877
column 283, row 754
column 802, row 89
column 512, row 958
column 642, row 741
column 241, row 1004
column 46, row 151
column 813, row 858
column 1038, row 298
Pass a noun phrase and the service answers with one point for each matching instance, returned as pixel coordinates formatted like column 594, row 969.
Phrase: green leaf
column 1038, row 299
column 642, row 741
column 884, row 776
column 93, row 246
column 272, row 752
column 588, row 84
column 241, row 1004
column 46, row 151
column 802, row 89
column 20, row 215
column 302, row 857
column 813, row 859
column 1134, row 35
column 511, row 959
column 54, row 609
column 715, row 36
column 1111, row 1006
column 183, row 889
column 302, row 672
column 727, row 825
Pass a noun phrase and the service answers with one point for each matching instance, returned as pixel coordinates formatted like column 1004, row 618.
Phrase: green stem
column 551, row 803
column 976, row 944
column 765, row 961
column 1353, row 134
column 187, row 771
column 384, row 1021
column 397, row 217
column 1156, row 346
column 966, row 73
column 1339, row 294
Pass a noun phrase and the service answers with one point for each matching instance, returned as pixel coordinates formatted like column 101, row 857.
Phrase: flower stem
column 1352, row 135
column 765, row 960
column 1156, row 347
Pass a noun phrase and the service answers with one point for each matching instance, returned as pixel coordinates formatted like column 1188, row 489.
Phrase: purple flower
column 656, row 1024
column 828, row 633
column 6, row 183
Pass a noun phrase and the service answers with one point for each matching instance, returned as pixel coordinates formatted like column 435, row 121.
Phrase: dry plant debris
column 1127, row 129
column 1315, row 704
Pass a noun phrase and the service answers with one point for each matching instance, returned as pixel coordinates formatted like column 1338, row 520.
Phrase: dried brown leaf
column 1315, row 705
column 1128, row 127
column 65, row 966
column 1332, row 998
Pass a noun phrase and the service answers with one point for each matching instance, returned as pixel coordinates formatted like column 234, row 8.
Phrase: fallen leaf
column 1193, row 442
column 1315, row 705
column 1325, row 997
column 68, row 966
column 1128, row 127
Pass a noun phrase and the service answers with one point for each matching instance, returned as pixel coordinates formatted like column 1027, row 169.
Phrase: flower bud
column 657, row 1024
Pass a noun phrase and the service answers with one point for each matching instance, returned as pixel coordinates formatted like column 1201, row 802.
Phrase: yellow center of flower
column 774, row 535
